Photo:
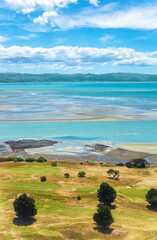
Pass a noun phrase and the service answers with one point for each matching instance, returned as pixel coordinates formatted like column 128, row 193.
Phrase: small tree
column 110, row 172
column 43, row 179
column 24, row 207
column 66, row 175
column 54, row 164
column 151, row 197
column 81, row 174
column 103, row 217
column 78, row 197
column 106, row 194
column 120, row 164
column 116, row 174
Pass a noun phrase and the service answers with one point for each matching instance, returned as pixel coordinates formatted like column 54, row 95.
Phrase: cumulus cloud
column 76, row 56
column 27, row 6
column 94, row 2
column 47, row 17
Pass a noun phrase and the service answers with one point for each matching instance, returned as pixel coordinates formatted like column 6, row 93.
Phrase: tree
column 24, row 207
column 54, row 164
column 78, row 197
column 116, row 174
column 43, row 179
column 81, row 174
column 120, row 164
column 103, row 217
column 66, row 175
column 41, row 159
column 151, row 197
column 30, row 159
column 110, row 172
column 106, row 194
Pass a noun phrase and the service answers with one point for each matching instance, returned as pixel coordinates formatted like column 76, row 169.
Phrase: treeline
column 110, row 77
column 19, row 159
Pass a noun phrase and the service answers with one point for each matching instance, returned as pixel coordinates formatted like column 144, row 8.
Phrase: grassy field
column 62, row 216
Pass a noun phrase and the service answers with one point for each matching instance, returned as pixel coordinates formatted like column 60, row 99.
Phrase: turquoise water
column 22, row 101
column 40, row 101
column 127, row 131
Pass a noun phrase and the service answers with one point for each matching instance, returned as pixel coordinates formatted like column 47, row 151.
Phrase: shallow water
column 23, row 101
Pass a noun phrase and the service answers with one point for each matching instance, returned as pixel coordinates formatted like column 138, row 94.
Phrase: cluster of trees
column 106, row 195
column 137, row 163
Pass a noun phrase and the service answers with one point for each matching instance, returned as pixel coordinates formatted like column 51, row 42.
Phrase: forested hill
column 110, row 77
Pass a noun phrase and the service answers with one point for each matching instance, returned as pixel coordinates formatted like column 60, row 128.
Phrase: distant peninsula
column 56, row 77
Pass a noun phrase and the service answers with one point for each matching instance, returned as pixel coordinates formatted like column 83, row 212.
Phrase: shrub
column 24, row 206
column 78, row 197
column 66, row 175
column 120, row 164
column 81, row 174
column 54, row 164
column 137, row 163
column 106, row 194
column 30, row 159
column 15, row 159
column 103, row 217
column 41, row 159
column 151, row 197
column 43, row 179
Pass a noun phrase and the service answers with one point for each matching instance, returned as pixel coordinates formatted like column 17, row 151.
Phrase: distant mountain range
column 110, row 77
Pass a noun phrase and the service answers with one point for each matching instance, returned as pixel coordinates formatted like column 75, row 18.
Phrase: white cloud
column 27, row 6
column 109, row 16
column 47, row 17
column 27, row 37
column 76, row 56
column 94, row 2
column 106, row 38
column 3, row 39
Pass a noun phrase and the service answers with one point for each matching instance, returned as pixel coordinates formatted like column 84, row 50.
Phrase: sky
column 78, row 36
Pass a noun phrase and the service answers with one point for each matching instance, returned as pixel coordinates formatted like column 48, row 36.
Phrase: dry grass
column 62, row 216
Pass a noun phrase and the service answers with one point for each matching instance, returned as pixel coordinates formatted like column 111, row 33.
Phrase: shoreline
column 104, row 119
column 150, row 148
column 85, row 151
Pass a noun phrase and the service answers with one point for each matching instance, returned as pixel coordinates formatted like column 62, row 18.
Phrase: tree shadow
column 23, row 222
column 113, row 206
column 150, row 207
column 115, row 179
column 106, row 231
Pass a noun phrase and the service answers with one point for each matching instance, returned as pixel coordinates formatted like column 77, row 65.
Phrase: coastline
column 104, row 119
column 85, row 151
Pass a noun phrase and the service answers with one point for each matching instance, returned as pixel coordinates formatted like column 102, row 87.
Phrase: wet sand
column 103, row 119
column 139, row 147
column 91, row 153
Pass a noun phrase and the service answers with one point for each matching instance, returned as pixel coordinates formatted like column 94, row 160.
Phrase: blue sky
column 71, row 36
